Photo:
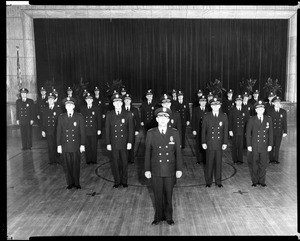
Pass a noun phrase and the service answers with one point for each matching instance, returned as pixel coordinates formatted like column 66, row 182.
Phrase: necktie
column 24, row 100
column 118, row 113
column 70, row 115
column 261, row 120
column 162, row 132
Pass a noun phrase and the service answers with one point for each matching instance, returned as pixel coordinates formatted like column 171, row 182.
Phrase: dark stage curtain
column 160, row 54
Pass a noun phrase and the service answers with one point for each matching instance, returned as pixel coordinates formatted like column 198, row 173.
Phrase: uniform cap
column 174, row 91
column 24, row 90
column 230, row 91
column 202, row 98
column 96, row 89
column 180, row 93
column 54, row 91
column 127, row 96
column 165, row 98
column 162, row 111
column 199, row 92
column 276, row 99
column 215, row 101
column 116, row 97
column 149, row 92
column 259, row 104
column 51, row 95
column 123, row 89
column 42, row 89
column 272, row 94
column 69, row 89
column 256, row 92
column 88, row 96
column 69, row 100
column 245, row 95
column 210, row 94
column 239, row 97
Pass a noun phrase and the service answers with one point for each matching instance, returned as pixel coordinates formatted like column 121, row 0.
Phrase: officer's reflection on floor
column 28, row 172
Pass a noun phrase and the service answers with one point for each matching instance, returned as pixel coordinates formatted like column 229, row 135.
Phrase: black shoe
column 170, row 222
column 125, row 185
column 263, row 185
column 220, row 185
column 116, row 185
column 240, row 162
column 155, row 222
column 235, row 163
column 197, row 162
column 253, row 185
column 271, row 161
column 277, row 162
column 78, row 187
column 70, row 186
column 207, row 185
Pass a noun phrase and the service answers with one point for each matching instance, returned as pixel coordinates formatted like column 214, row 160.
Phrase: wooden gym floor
column 38, row 203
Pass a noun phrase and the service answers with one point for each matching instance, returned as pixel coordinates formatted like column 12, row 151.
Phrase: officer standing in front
column 119, row 138
column 92, row 119
column 25, row 115
column 237, row 120
column 259, row 137
column 214, row 140
column 184, row 111
column 163, row 163
column 197, row 120
column 279, row 119
column 136, row 123
column 49, row 125
column 71, row 142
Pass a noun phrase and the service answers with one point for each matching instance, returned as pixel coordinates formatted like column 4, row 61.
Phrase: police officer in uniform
column 100, row 103
column 259, row 136
column 214, row 140
column 71, row 142
column 58, row 100
column 175, row 119
column 237, row 119
column 41, row 104
column 49, row 125
column 92, row 119
column 228, row 103
column 253, row 101
column 197, row 120
column 210, row 96
column 174, row 101
column 269, row 105
column 196, row 98
column 119, row 138
column 279, row 120
column 184, row 111
column 163, row 163
column 136, row 123
column 123, row 92
column 25, row 114
column 147, row 112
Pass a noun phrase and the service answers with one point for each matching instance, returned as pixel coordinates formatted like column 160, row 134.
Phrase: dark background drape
column 160, row 54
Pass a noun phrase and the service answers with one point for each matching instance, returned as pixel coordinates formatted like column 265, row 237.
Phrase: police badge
column 54, row 113
column 172, row 121
column 93, row 113
column 171, row 140
column 27, row 105
column 220, row 123
column 75, row 124
column 184, row 106
column 243, row 114
column 267, row 125
column 123, row 120
column 152, row 108
column 281, row 116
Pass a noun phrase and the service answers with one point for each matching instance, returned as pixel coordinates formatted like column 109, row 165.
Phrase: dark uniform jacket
column 252, row 102
column 279, row 120
column 268, row 108
column 50, row 118
column 259, row 135
column 92, row 119
column 237, row 120
column 197, row 119
column 163, row 155
column 147, row 112
column 136, row 117
column 41, row 104
column 214, row 130
column 119, row 129
column 248, row 107
column 175, row 121
column 227, row 105
column 25, row 111
column 174, row 104
column 184, row 111
column 70, row 132
column 100, row 103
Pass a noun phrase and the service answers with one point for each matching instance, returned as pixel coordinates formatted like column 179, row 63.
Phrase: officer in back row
column 214, row 139
column 228, row 103
column 25, row 115
column 237, row 119
column 92, row 118
column 119, row 132
column 184, row 111
column 147, row 112
column 49, row 125
column 41, row 104
column 279, row 119
column 197, row 120
column 163, row 164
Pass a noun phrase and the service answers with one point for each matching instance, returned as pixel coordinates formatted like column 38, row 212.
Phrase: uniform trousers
column 52, row 148
column 26, row 136
column 257, row 163
column 274, row 153
column 91, row 148
column 237, row 147
column 71, row 166
column 213, row 166
column 131, row 152
column 163, row 190
column 200, row 152
column 119, row 166
column 183, row 130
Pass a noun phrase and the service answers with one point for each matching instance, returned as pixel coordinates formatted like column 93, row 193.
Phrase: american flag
column 19, row 77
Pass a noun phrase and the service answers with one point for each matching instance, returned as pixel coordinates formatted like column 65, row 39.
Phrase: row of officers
column 71, row 133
